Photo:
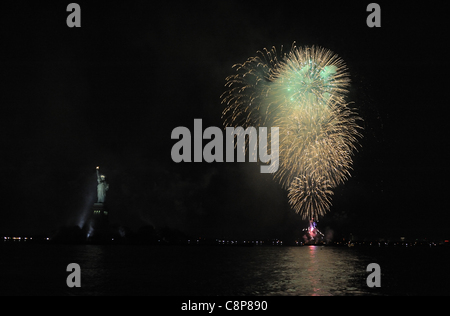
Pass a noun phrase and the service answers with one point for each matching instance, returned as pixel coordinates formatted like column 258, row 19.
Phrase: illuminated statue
column 102, row 187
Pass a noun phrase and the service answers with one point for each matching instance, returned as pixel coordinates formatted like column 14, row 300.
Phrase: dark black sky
column 110, row 93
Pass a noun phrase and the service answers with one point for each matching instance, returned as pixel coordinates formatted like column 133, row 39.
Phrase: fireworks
column 314, row 235
column 310, row 196
column 303, row 93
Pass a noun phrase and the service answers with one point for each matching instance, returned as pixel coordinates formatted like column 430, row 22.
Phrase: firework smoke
column 303, row 93
column 313, row 234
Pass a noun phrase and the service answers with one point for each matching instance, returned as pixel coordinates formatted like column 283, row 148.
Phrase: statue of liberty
column 102, row 187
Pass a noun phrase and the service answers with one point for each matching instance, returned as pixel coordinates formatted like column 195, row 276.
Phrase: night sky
column 111, row 92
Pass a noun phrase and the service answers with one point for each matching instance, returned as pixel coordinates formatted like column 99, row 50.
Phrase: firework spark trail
column 310, row 196
column 316, row 144
column 303, row 93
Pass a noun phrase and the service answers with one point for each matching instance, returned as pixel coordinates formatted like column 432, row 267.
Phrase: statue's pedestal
column 98, row 228
column 98, row 209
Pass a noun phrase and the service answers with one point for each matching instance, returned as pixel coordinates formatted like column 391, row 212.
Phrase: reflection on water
column 316, row 271
column 141, row 270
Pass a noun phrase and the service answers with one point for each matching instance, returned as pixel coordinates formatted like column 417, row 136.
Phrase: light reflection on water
column 318, row 271
column 222, row 271
column 202, row 270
